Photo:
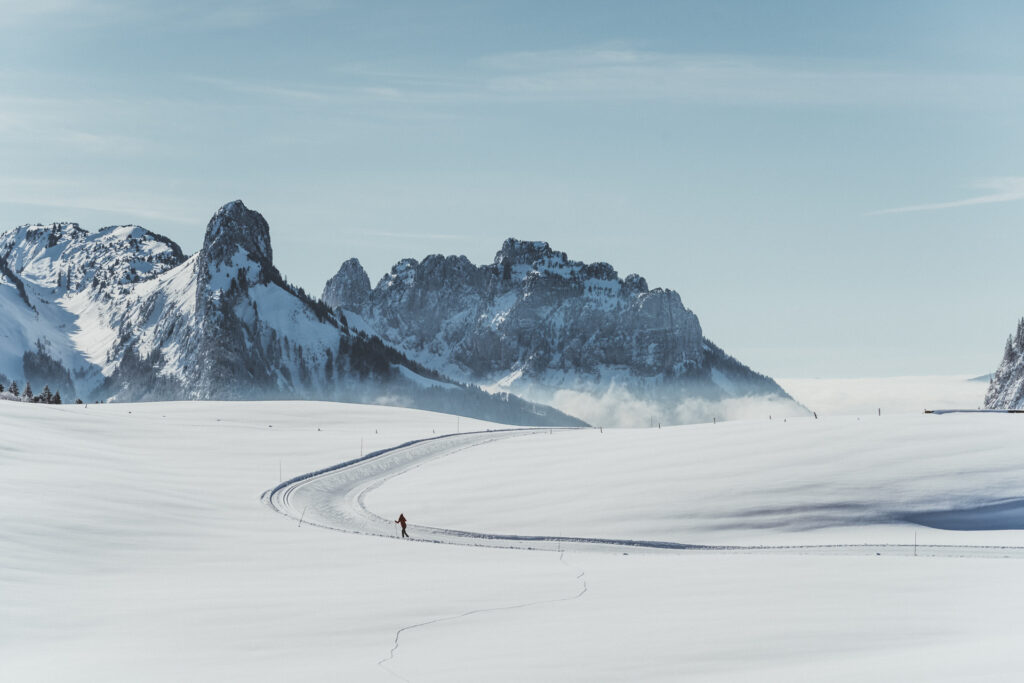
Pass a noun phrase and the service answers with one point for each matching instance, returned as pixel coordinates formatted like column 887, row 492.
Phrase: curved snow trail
column 333, row 498
column 483, row 610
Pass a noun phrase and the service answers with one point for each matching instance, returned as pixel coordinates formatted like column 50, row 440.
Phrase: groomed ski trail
column 333, row 498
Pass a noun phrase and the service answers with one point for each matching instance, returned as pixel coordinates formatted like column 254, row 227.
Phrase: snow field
column 135, row 547
column 708, row 617
column 844, row 480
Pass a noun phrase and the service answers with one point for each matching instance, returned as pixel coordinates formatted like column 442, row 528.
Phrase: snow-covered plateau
column 138, row 544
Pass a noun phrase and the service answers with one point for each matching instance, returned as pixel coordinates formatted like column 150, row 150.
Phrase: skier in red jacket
column 401, row 520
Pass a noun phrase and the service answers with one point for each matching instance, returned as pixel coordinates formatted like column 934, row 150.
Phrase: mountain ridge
column 539, row 324
column 122, row 314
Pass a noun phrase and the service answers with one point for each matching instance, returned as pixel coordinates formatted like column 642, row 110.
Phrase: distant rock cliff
column 538, row 324
column 1006, row 390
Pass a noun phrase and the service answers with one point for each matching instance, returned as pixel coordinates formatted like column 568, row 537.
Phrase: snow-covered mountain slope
column 135, row 548
column 60, row 290
column 123, row 315
column 1006, row 390
column 560, row 331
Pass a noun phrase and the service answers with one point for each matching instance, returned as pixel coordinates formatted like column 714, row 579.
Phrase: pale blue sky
column 835, row 188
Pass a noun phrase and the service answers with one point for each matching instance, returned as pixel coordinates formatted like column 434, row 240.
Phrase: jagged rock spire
column 349, row 288
column 235, row 225
column 235, row 230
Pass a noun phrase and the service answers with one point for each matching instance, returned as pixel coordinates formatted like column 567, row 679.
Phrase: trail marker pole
column 303, row 515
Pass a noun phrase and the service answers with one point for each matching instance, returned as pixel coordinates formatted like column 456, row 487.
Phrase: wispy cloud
column 311, row 93
column 998, row 190
column 39, row 122
column 15, row 12
column 126, row 206
column 622, row 74
column 223, row 15
column 415, row 235
column 250, row 13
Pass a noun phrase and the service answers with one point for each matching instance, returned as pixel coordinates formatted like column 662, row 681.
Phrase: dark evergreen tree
column 56, row 399
column 1, row 388
column 28, row 391
column 47, row 395
column 78, row 401
column 14, row 388
column 328, row 366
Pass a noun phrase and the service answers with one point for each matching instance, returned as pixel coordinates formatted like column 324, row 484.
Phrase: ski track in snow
column 333, row 498
column 483, row 610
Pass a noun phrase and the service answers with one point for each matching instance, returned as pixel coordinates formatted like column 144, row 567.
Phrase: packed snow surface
column 844, row 480
column 136, row 546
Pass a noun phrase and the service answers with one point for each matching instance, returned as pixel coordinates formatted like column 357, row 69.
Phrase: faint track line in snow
column 581, row 577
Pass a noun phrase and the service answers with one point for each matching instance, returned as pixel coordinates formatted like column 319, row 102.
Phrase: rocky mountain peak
column 234, row 225
column 635, row 283
column 349, row 288
column 237, row 239
column 520, row 252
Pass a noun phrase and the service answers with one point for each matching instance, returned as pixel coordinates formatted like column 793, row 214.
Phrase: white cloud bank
column 833, row 396
column 866, row 395
column 617, row 407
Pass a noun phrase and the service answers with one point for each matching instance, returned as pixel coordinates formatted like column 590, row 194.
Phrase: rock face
column 123, row 315
column 1006, row 391
column 537, row 323
column 350, row 285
